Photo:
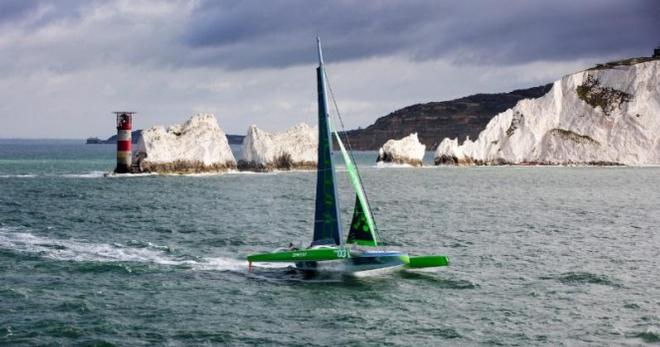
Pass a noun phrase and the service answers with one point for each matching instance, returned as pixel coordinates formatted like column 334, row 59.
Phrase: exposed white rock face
column 198, row 145
column 603, row 116
column 295, row 148
column 407, row 150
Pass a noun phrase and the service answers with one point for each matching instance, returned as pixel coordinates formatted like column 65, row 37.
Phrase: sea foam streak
column 92, row 174
column 82, row 251
column 384, row 165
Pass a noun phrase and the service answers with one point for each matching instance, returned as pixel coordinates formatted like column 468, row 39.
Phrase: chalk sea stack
column 407, row 150
column 293, row 149
column 199, row 145
column 607, row 115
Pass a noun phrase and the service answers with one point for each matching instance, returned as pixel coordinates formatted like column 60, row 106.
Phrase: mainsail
column 327, row 223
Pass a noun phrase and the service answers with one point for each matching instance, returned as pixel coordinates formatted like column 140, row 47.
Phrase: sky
column 66, row 65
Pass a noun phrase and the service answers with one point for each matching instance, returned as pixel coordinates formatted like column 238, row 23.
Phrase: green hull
column 427, row 261
column 322, row 258
column 320, row 254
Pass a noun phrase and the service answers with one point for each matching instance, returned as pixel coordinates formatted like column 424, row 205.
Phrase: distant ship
column 93, row 141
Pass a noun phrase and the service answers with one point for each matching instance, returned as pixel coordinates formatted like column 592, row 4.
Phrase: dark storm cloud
column 241, row 34
column 12, row 10
column 32, row 14
column 261, row 34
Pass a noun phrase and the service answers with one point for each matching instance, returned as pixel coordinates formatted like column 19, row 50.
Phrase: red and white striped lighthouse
column 124, row 126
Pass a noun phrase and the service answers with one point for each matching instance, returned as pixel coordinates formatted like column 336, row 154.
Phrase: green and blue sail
column 327, row 221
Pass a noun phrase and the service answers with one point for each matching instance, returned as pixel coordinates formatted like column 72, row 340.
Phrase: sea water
column 538, row 255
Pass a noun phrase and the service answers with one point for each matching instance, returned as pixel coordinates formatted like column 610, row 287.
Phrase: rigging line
column 350, row 152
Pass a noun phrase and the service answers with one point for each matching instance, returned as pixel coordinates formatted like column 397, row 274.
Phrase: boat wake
column 146, row 253
column 19, row 176
column 134, row 251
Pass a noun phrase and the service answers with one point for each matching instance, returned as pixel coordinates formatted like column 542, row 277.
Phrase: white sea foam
column 18, row 176
column 274, row 172
column 384, row 165
column 91, row 174
column 129, row 175
column 220, row 264
column 198, row 174
column 82, row 250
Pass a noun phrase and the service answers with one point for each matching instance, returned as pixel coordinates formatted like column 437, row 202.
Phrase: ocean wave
column 92, row 174
column 133, row 251
column 650, row 335
column 579, row 277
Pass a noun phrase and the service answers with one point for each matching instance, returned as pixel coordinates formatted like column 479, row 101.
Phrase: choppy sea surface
column 539, row 256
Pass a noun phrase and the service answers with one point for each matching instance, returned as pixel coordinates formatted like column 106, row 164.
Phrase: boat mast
column 327, row 222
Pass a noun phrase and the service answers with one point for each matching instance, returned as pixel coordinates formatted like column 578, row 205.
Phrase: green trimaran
column 329, row 251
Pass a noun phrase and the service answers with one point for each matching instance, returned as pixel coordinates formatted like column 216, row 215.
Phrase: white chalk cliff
column 604, row 116
column 198, row 145
column 292, row 149
column 407, row 150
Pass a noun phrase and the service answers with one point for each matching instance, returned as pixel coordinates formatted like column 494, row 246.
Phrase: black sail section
column 327, row 225
column 360, row 233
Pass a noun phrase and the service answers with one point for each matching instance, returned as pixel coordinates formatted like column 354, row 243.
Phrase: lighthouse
column 124, row 126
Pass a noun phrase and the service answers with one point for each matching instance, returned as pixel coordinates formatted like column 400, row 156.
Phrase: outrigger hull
column 340, row 259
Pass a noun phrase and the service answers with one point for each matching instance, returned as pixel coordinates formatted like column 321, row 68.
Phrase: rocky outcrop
column 196, row 146
column 295, row 148
column 434, row 121
column 608, row 115
column 407, row 150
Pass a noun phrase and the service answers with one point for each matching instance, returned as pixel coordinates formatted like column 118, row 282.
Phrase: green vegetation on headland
column 606, row 98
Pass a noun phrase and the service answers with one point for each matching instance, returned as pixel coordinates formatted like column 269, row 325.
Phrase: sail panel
column 327, row 224
column 362, row 217
column 360, row 231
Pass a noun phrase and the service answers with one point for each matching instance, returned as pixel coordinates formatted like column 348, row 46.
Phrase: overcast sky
column 66, row 65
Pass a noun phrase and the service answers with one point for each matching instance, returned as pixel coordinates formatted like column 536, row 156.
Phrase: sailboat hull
column 341, row 259
column 335, row 259
column 361, row 262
